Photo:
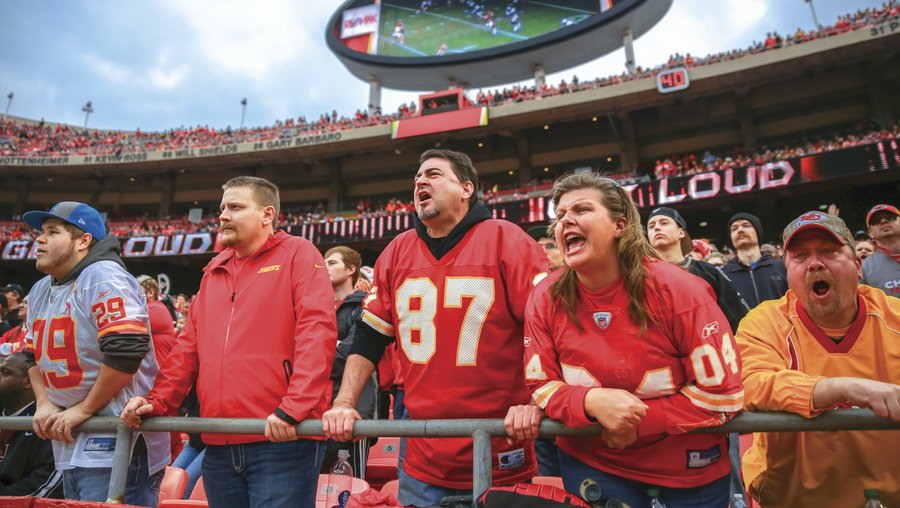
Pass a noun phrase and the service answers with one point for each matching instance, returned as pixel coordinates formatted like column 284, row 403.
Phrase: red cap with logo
column 831, row 224
column 880, row 208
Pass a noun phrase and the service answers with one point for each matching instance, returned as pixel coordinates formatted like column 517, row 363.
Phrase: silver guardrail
column 481, row 431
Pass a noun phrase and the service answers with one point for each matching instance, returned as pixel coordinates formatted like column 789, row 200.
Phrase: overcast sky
column 158, row 64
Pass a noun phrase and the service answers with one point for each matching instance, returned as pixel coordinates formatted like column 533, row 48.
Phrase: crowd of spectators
column 675, row 165
column 43, row 139
column 691, row 163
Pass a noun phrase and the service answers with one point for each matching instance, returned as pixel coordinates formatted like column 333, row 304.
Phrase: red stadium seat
column 173, row 483
column 392, row 487
column 181, row 503
column 553, row 481
column 199, row 493
column 381, row 466
column 322, row 489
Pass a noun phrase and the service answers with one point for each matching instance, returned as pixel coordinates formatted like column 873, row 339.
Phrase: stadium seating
column 173, row 483
column 199, row 493
column 553, row 481
column 381, row 465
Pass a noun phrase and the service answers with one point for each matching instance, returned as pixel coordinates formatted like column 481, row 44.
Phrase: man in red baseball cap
column 882, row 269
column 829, row 344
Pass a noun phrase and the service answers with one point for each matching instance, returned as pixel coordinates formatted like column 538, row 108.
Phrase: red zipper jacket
column 257, row 342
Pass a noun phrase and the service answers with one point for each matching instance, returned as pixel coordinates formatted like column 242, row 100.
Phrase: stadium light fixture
column 87, row 109
column 9, row 98
column 812, row 9
column 546, row 127
column 243, row 110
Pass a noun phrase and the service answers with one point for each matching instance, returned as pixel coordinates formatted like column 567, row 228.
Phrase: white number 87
column 479, row 289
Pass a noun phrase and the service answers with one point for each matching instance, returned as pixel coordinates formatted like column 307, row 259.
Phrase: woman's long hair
column 632, row 247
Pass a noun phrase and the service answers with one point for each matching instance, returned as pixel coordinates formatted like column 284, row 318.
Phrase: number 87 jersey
column 459, row 323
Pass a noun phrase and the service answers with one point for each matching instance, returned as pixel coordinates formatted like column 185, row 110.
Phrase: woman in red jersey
column 635, row 344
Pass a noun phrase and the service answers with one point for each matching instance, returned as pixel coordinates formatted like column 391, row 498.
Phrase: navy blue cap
column 686, row 244
column 77, row 214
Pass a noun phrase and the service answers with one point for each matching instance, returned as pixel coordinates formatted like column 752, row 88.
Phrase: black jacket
column 730, row 301
column 27, row 467
column 348, row 313
column 764, row 280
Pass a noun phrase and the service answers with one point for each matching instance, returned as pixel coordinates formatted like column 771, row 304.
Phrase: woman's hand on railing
column 523, row 422
column 616, row 410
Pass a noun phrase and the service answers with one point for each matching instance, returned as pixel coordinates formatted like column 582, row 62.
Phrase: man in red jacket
column 259, row 343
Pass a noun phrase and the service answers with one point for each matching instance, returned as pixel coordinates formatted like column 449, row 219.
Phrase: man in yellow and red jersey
column 828, row 344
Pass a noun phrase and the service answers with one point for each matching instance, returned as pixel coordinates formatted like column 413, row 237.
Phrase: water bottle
column 340, row 481
column 654, row 498
column 872, row 499
column 738, row 501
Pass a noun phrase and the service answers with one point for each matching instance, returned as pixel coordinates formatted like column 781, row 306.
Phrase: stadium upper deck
column 818, row 85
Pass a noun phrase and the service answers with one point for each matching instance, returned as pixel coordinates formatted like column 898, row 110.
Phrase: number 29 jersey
column 459, row 324
column 66, row 323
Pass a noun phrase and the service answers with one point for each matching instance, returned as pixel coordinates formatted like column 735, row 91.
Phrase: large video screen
column 429, row 28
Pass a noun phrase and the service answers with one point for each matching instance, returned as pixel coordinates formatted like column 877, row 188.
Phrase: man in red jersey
column 451, row 292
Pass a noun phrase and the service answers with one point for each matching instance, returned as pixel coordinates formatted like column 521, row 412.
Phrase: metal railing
column 481, row 431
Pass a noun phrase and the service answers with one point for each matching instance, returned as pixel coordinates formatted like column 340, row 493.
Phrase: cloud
column 163, row 76
column 107, row 69
column 250, row 40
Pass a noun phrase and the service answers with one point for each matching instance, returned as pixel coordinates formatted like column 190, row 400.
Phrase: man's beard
column 824, row 310
column 229, row 240
column 426, row 214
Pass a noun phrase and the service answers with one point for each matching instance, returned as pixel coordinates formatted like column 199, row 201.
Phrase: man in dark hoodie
column 452, row 293
column 343, row 264
column 756, row 276
column 90, row 335
column 26, row 461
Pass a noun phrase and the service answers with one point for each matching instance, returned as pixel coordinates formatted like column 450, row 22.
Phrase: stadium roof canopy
column 573, row 40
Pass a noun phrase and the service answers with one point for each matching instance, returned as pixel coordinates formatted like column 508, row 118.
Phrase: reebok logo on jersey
column 271, row 268
column 602, row 319
column 710, row 329
column 527, row 341
column 103, row 294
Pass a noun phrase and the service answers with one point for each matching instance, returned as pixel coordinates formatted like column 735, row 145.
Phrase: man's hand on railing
column 134, row 411
column 60, row 424
column 337, row 422
column 278, row 430
column 523, row 422
column 42, row 423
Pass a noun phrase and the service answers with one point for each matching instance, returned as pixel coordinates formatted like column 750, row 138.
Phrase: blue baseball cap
column 77, row 214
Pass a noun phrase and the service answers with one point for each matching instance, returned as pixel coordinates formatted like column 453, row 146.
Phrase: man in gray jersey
column 89, row 331
column 882, row 269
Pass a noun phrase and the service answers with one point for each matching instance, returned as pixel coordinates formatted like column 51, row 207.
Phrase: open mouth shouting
column 423, row 197
column 573, row 243
column 821, row 289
